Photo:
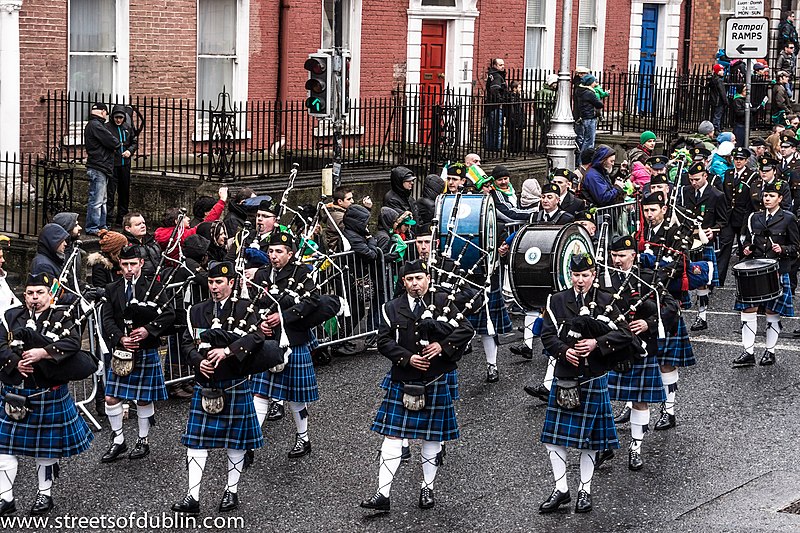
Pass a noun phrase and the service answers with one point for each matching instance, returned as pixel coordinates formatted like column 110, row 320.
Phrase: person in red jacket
column 170, row 220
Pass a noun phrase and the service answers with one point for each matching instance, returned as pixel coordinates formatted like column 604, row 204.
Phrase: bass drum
column 474, row 228
column 539, row 261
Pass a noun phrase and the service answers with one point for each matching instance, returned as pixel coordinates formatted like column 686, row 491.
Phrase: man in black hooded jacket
column 100, row 146
column 120, row 179
column 399, row 196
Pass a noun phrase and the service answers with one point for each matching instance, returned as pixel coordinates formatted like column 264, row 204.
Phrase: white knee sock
column 670, row 380
column 558, row 460
column 749, row 326
column 587, row 470
column 145, row 414
column 300, row 414
column 527, row 330
column 702, row 302
column 640, row 421
column 406, row 444
column 490, row 349
column 430, row 462
column 548, row 374
column 46, row 471
column 196, row 463
column 391, row 450
column 235, row 466
column 114, row 414
column 262, row 408
column 773, row 331
column 8, row 473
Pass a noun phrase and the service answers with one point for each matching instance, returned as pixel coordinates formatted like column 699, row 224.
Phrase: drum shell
column 476, row 222
column 757, row 280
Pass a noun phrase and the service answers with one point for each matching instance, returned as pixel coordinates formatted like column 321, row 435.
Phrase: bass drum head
column 539, row 261
column 489, row 229
column 474, row 224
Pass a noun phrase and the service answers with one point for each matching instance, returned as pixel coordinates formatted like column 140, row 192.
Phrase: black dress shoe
column 699, row 324
column 492, row 375
column 301, row 447
column 635, row 462
column 522, row 349
column 665, row 421
column 554, row 501
column 114, row 451
column 405, row 455
column 584, row 502
column 539, row 391
column 426, row 500
column 42, row 505
column 142, row 449
column 229, row 502
column 767, row 359
column 603, row 456
column 345, row 349
column 378, row 502
column 249, row 458
column 623, row 416
column 8, row 507
column 744, row 359
column 188, row 505
column 275, row 412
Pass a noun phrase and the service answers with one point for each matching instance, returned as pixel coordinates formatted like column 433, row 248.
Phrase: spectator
column 69, row 221
column 134, row 228
column 237, row 212
column 580, row 72
column 531, row 194
column 787, row 61
column 781, row 104
column 739, row 107
column 580, row 173
column 120, row 181
column 104, row 264
column 366, row 251
column 169, row 223
column 100, row 146
column 386, row 220
column 505, row 199
column 217, row 236
column 426, row 205
column 496, row 96
column 201, row 208
column 516, row 119
column 758, row 147
column 720, row 164
column 342, row 199
column 399, row 196
column 726, row 136
column 7, row 297
column 588, row 106
column 49, row 258
column 717, row 96
column 787, row 33
column 544, row 104
column 598, row 187
column 637, row 156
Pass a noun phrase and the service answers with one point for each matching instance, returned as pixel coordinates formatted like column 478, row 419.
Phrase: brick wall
column 384, row 28
column 304, row 35
column 705, row 32
column 499, row 32
column 43, row 65
column 264, row 21
column 618, row 34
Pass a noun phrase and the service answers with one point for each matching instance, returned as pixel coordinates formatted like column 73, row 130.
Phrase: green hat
column 647, row 136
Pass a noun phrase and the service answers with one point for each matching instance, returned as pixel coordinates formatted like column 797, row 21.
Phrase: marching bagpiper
column 424, row 336
column 772, row 234
column 224, row 346
column 137, row 314
column 40, row 352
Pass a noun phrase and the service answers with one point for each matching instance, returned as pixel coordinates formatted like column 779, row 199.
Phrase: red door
column 434, row 38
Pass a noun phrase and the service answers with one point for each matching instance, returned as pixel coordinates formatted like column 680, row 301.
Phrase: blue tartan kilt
column 144, row 384
column 53, row 429
column 498, row 313
column 676, row 349
column 235, row 427
column 435, row 422
column 589, row 428
column 781, row 305
column 710, row 255
column 642, row 384
column 297, row 382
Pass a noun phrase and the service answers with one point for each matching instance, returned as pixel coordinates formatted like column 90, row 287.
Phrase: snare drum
column 474, row 229
column 539, row 261
column 757, row 280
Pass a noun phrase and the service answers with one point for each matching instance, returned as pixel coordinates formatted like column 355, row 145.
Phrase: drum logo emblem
column 532, row 255
column 464, row 210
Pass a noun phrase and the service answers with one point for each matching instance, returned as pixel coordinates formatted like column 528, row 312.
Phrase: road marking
column 722, row 342
column 733, row 313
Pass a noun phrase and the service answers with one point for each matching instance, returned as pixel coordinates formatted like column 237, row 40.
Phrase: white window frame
column 543, row 38
column 597, row 47
column 724, row 15
column 120, row 72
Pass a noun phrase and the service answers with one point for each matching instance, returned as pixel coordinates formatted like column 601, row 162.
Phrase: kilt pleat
column 53, row 429
column 297, row 382
column 641, row 384
column 144, row 384
column 435, row 422
column 782, row 305
column 589, row 428
column 236, row 427
column 676, row 349
column 710, row 255
column 498, row 313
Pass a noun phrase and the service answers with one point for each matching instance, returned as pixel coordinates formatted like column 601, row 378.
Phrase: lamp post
column 561, row 137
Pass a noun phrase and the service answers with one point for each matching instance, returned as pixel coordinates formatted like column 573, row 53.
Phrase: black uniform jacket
column 737, row 193
column 572, row 204
column 781, row 229
column 114, row 312
column 298, row 297
column 712, row 206
column 560, row 218
column 399, row 336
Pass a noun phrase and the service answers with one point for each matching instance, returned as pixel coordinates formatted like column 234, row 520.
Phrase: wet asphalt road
column 729, row 465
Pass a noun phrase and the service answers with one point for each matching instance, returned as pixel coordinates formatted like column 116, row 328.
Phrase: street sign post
column 749, row 8
column 747, row 38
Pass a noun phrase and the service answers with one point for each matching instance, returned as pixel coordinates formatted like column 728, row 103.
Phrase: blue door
column 647, row 61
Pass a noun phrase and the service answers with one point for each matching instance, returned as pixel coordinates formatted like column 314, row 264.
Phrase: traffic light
column 346, row 84
column 319, row 87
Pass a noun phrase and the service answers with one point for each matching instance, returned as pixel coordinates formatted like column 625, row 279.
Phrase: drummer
column 550, row 212
column 456, row 174
column 772, row 234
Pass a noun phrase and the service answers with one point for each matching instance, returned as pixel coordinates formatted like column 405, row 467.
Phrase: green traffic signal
column 315, row 104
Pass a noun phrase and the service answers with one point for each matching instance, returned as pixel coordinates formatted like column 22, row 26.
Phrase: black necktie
column 217, row 309
column 129, row 292
column 769, row 217
column 418, row 307
column 579, row 300
column 697, row 196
